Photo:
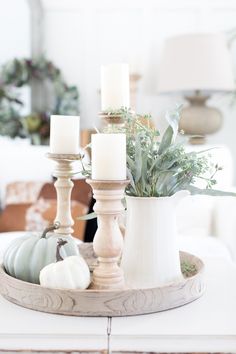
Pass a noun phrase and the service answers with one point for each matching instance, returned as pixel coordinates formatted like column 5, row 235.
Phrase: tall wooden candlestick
column 64, row 172
column 108, row 240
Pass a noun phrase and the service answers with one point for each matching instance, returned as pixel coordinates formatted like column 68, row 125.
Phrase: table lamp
column 197, row 66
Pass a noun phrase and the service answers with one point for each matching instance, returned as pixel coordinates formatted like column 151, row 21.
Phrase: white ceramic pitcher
column 151, row 255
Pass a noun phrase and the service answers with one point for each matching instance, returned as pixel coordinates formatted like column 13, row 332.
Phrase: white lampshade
column 196, row 62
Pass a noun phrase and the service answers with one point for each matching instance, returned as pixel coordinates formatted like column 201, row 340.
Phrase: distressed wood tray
column 103, row 302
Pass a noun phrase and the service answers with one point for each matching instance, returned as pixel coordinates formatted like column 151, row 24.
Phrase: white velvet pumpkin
column 27, row 255
column 71, row 273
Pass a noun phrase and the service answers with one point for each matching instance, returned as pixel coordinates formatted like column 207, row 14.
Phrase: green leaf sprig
column 161, row 167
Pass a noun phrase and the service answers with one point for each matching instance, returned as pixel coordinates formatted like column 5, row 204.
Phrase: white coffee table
column 208, row 324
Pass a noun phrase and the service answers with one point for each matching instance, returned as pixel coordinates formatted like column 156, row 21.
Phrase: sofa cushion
column 13, row 217
column 42, row 213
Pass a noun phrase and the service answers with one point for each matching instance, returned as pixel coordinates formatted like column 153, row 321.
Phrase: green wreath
column 17, row 73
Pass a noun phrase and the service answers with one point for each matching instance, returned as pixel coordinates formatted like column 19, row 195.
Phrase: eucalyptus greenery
column 160, row 167
column 188, row 269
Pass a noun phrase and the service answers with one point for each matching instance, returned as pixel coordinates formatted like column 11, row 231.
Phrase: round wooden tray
column 102, row 302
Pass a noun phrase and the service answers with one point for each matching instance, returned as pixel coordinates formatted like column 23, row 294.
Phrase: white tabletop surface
column 24, row 329
column 208, row 324
column 21, row 328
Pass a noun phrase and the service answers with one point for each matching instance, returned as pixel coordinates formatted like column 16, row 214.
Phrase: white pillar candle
column 115, row 86
column 64, row 134
column 109, row 156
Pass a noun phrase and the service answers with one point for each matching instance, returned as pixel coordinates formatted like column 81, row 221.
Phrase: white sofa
column 208, row 225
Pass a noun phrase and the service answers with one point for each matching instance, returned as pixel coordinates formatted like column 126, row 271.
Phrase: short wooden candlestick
column 64, row 172
column 108, row 240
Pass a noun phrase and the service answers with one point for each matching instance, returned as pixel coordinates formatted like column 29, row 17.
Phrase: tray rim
column 199, row 271
column 98, row 294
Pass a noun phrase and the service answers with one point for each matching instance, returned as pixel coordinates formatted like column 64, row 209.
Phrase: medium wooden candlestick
column 64, row 172
column 108, row 240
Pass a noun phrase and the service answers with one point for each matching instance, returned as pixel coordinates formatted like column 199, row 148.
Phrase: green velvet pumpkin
column 27, row 255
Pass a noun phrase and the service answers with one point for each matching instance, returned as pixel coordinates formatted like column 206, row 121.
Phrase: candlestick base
column 108, row 240
column 108, row 275
column 64, row 172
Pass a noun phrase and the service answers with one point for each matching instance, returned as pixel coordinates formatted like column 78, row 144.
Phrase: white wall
column 14, row 29
column 80, row 35
column 15, row 36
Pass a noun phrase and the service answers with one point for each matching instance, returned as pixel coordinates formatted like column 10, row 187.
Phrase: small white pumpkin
column 69, row 273
column 27, row 255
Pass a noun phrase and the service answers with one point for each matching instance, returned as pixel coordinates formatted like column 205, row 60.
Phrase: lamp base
column 199, row 120
column 197, row 139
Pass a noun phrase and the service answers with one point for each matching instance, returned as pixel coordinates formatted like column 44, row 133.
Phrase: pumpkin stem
column 55, row 226
column 60, row 243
